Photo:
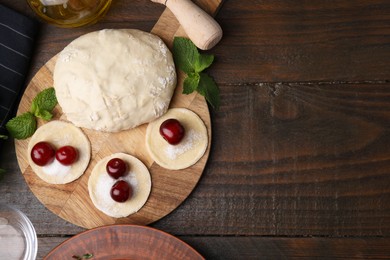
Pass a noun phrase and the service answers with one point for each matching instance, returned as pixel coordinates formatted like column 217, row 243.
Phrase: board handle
column 200, row 27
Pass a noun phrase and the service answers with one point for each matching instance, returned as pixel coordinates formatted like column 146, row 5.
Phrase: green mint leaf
column 44, row 114
column 85, row 256
column 22, row 126
column 209, row 89
column 191, row 83
column 34, row 108
column 3, row 137
column 44, row 100
column 203, row 62
column 185, row 54
column 44, row 103
column 188, row 59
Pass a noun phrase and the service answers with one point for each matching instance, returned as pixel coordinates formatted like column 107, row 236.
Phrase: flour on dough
column 114, row 79
column 59, row 133
column 190, row 149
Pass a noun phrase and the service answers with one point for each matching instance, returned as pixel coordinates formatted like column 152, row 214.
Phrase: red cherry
column 121, row 191
column 42, row 153
column 67, row 155
column 116, row 168
column 172, row 131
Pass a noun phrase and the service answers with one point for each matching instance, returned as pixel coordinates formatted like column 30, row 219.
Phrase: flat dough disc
column 100, row 183
column 60, row 133
column 190, row 149
column 114, row 79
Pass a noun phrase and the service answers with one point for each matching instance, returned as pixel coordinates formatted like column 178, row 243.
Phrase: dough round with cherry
column 58, row 134
column 185, row 153
column 100, row 184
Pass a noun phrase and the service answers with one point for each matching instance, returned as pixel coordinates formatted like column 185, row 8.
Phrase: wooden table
column 300, row 159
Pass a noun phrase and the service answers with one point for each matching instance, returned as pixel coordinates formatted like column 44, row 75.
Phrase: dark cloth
column 17, row 35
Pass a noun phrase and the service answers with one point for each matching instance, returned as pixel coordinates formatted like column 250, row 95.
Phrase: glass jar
column 70, row 13
column 18, row 239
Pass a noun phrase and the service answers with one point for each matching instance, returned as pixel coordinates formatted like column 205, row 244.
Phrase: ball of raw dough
column 113, row 80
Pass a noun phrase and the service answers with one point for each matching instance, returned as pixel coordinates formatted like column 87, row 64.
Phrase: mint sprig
column 24, row 125
column 85, row 256
column 193, row 63
column 44, row 103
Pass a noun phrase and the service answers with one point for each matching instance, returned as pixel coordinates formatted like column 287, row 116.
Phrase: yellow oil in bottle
column 70, row 13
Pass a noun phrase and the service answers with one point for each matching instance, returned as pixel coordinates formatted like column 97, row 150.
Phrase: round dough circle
column 100, row 183
column 60, row 133
column 114, row 79
column 191, row 148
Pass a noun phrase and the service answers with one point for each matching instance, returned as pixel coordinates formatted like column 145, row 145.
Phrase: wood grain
column 327, row 174
column 294, row 159
column 290, row 248
column 71, row 201
column 286, row 41
column 300, row 143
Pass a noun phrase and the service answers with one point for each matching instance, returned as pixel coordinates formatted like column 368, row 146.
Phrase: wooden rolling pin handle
column 200, row 27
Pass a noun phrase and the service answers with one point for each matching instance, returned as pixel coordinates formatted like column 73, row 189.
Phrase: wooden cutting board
column 169, row 188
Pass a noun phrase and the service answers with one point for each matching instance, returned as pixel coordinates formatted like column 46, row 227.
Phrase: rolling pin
column 200, row 27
